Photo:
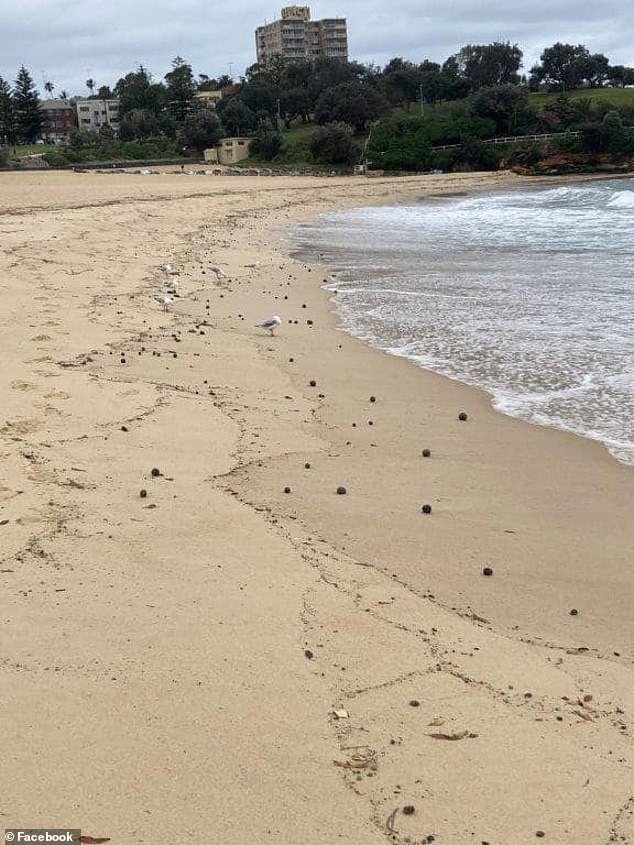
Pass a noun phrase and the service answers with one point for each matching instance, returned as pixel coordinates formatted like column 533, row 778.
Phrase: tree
column 237, row 118
column 267, row 142
column 507, row 105
column 333, row 144
column 401, row 80
column 90, row 85
column 181, row 87
column 200, row 129
column 104, row 93
column 561, row 67
column 137, row 91
column 49, row 88
column 400, row 142
column 28, row 117
column 487, row 65
column 7, row 114
column 354, row 103
column 138, row 124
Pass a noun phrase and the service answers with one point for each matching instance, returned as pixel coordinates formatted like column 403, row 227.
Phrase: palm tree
column 63, row 95
column 90, row 84
column 48, row 87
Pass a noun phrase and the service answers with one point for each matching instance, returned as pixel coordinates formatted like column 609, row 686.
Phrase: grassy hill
column 617, row 97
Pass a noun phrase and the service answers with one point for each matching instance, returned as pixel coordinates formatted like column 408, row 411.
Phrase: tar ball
column 426, row 453
column 341, row 491
column 487, row 571
column 143, row 494
column 462, row 416
column 426, row 509
column 287, row 489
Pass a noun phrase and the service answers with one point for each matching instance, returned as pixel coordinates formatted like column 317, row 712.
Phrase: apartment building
column 295, row 36
column 93, row 114
column 60, row 118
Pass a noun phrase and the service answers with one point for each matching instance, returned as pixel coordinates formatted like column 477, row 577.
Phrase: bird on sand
column 271, row 324
column 171, row 284
column 166, row 268
column 164, row 300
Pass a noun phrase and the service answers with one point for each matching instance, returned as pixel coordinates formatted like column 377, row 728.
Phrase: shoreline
column 183, row 652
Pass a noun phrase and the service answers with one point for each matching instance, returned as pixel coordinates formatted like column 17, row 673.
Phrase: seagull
column 271, row 324
column 166, row 268
column 164, row 300
column 171, row 284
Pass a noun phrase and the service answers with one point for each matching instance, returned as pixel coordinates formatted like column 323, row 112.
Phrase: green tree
column 200, row 129
column 237, row 118
column 353, row 102
column 487, row 65
column 90, row 85
column 104, row 93
column 49, row 88
column 507, row 105
column 7, row 114
column 333, row 144
column 138, row 124
column 137, row 91
column 400, row 142
column 561, row 67
column 267, row 142
column 28, row 117
column 180, row 88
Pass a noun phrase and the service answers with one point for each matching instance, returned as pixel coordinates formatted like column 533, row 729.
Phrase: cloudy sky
column 67, row 41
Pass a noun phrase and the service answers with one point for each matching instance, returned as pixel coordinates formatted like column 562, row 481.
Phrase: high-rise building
column 295, row 36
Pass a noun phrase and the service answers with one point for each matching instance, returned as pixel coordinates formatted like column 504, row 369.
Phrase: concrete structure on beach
column 295, row 36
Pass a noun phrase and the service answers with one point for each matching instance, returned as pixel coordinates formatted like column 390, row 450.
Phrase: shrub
column 333, row 144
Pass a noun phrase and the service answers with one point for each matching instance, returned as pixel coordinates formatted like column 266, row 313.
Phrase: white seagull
column 166, row 268
column 271, row 324
column 164, row 300
column 171, row 284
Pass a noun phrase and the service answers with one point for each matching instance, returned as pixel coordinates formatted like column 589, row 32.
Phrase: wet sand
column 171, row 662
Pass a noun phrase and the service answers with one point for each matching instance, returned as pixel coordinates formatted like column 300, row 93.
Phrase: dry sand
column 171, row 664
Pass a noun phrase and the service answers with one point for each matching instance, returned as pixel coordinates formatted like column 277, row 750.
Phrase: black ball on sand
column 426, row 509
column 308, row 654
column 409, row 810
column 487, row 571
column 306, row 466
column 124, row 428
column 155, row 472
column 287, row 489
column 341, row 491
column 426, row 453
column 312, row 383
column 372, row 398
column 574, row 612
column 143, row 494
column 414, row 703
column 462, row 416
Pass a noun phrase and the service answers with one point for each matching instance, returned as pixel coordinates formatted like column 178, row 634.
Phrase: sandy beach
column 190, row 652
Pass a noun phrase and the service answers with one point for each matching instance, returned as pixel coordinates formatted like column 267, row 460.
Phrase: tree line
column 481, row 85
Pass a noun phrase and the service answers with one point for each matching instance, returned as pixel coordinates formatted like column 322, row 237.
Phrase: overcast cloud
column 67, row 41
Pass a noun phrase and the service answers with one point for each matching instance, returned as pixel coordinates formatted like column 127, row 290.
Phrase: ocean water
column 528, row 294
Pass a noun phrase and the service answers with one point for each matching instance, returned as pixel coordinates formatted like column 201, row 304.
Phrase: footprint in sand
column 15, row 428
column 22, row 385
